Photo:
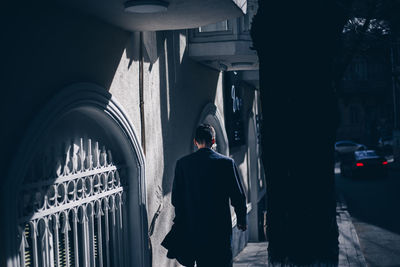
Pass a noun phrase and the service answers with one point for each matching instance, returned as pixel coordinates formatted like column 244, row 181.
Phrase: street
column 374, row 205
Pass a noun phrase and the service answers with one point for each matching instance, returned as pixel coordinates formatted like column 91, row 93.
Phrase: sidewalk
column 255, row 254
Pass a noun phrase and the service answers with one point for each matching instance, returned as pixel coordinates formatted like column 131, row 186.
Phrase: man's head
column 205, row 136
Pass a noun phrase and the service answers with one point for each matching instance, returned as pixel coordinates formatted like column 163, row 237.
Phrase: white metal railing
column 79, row 217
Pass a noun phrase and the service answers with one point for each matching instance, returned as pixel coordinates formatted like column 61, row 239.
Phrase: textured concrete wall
column 176, row 90
column 47, row 49
column 52, row 47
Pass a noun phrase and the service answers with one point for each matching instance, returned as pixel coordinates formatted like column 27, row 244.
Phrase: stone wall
column 51, row 48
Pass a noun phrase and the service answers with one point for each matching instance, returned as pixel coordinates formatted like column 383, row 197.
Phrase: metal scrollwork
column 74, row 214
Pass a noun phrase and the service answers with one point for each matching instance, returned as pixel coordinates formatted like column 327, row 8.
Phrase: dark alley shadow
column 375, row 200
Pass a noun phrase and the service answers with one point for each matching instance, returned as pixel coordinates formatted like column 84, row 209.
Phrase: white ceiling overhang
column 181, row 14
column 231, row 55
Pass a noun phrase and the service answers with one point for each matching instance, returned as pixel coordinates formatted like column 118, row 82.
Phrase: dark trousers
column 217, row 257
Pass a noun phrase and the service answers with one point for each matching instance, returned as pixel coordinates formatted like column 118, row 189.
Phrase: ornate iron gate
column 74, row 214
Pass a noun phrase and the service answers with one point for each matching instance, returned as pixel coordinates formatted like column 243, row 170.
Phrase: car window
column 365, row 154
column 371, row 153
column 345, row 144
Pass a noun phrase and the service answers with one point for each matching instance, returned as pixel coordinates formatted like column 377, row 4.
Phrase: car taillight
column 384, row 163
column 359, row 164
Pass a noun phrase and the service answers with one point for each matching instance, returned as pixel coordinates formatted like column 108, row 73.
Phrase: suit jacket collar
column 206, row 149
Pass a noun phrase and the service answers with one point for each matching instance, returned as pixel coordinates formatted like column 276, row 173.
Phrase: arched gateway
column 75, row 195
column 211, row 115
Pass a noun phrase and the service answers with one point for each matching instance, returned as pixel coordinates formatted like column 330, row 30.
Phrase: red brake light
column 359, row 164
column 384, row 163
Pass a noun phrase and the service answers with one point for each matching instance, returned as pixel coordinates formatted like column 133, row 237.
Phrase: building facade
column 99, row 106
column 366, row 94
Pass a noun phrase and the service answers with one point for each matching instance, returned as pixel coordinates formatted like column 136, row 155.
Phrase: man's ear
column 194, row 142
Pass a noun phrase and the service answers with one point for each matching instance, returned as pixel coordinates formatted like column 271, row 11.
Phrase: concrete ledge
column 349, row 245
column 181, row 14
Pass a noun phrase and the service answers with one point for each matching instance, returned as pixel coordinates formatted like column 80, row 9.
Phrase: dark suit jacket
column 204, row 183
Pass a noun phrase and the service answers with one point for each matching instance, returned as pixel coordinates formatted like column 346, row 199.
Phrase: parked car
column 363, row 163
column 348, row 146
column 344, row 147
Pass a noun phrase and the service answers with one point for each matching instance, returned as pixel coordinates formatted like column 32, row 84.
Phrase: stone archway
column 212, row 116
column 87, row 195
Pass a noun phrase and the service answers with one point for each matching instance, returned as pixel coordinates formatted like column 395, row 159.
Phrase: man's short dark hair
column 205, row 133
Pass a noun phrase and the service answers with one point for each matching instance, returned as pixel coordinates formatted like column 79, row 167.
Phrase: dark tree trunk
column 296, row 42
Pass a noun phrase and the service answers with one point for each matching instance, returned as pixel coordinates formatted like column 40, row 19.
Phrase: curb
column 350, row 253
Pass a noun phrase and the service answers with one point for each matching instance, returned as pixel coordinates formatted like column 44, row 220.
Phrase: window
column 366, row 154
column 216, row 27
column 345, row 144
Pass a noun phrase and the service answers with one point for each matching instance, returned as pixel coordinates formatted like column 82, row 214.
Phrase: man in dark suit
column 204, row 183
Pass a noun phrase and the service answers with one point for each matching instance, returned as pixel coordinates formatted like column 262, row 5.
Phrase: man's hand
column 242, row 227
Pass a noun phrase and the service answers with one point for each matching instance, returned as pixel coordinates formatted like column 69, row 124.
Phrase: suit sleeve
column 177, row 192
column 237, row 195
